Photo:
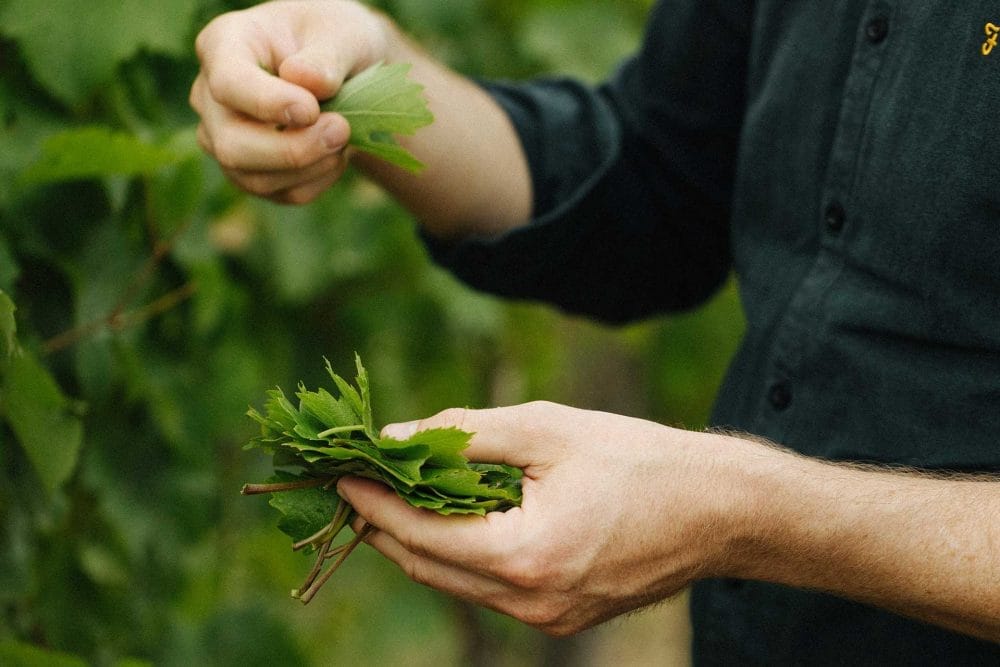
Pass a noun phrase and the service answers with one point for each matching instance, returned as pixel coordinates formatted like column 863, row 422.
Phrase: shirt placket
column 838, row 221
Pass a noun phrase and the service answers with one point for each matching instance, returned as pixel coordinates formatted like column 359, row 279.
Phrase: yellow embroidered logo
column 991, row 31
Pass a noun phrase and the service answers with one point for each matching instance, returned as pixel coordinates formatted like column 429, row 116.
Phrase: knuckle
column 265, row 108
column 409, row 540
column 261, row 186
column 204, row 141
column 559, row 629
column 528, row 572
column 194, row 95
column 540, row 412
column 227, row 157
column 214, row 83
column 414, row 569
column 214, row 33
column 299, row 196
column 296, row 154
column 451, row 417
column 545, row 407
column 547, row 615
column 204, row 38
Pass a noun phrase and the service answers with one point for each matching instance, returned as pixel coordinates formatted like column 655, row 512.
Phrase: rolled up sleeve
column 632, row 179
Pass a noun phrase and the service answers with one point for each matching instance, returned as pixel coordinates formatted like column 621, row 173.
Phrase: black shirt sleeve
column 632, row 179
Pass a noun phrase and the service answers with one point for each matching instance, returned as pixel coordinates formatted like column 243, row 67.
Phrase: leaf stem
column 317, row 566
column 333, row 528
column 340, row 429
column 257, row 489
column 310, row 593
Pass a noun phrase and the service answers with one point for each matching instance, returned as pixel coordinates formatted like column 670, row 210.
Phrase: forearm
column 923, row 547
column 477, row 178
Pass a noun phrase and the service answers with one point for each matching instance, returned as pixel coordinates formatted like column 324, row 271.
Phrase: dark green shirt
column 842, row 158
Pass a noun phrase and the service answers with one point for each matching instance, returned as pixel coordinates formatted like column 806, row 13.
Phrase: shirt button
column 834, row 217
column 877, row 30
column 780, row 395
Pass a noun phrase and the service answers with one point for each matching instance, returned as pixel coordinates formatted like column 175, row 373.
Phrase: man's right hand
column 263, row 72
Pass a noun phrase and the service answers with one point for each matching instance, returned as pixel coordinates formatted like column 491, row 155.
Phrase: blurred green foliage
column 144, row 303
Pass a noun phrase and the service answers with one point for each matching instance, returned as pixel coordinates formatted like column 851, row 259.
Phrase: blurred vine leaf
column 97, row 151
column 8, row 329
column 17, row 654
column 562, row 35
column 42, row 418
column 379, row 103
column 74, row 47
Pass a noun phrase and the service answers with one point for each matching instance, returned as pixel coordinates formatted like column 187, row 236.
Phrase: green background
column 146, row 303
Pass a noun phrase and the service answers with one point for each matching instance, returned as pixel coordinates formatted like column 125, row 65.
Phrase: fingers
column 293, row 165
column 495, row 430
column 479, row 544
column 274, row 61
column 297, row 187
column 239, row 142
column 524, row 604
column 237, row 64
column 263, row 71
column 303, row 193
column 316, row 66
column 272, row 183
column 479, row 559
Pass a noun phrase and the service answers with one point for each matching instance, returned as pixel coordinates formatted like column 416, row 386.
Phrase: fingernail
column 333, row 138
column 298, row 114
column 400, row 431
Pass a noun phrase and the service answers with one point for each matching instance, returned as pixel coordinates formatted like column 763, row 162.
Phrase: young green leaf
column 379, row 103
column 303, row 511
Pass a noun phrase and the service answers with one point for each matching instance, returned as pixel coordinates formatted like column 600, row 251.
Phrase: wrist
column 718, row 487
column 785, row 529
column 752, row 499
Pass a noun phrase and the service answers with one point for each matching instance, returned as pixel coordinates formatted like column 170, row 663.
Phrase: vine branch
column 118, row 319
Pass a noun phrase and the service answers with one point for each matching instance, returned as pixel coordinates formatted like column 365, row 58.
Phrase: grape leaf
column 72, row 47
column 327, row 409
column 42, row 418
column 303, row 511
column 95, row 152
column 379, row 103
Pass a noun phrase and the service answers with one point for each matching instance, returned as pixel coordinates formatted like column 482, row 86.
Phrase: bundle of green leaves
column 327, row 437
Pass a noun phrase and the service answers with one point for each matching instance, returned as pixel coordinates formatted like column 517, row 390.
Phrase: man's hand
column 616, row 515
column 620, row 512
column 263, row 71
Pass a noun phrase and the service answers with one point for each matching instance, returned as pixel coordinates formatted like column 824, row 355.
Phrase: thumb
column 499, row 435
column 317, row 68
column 332, row 46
